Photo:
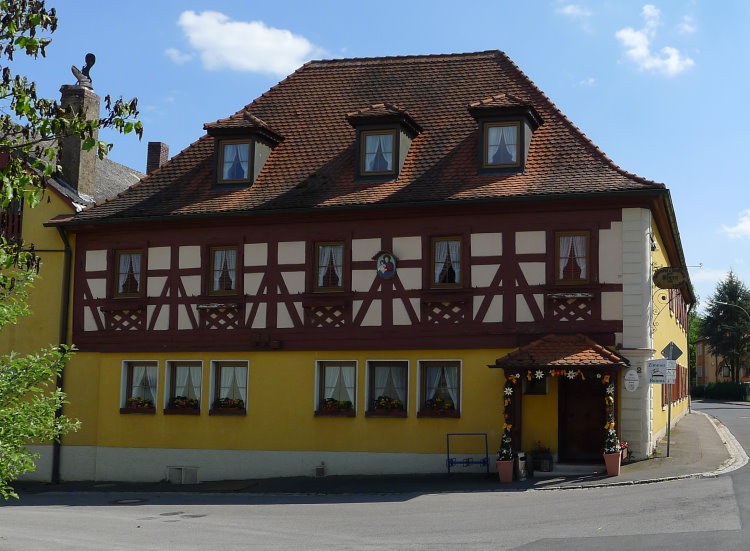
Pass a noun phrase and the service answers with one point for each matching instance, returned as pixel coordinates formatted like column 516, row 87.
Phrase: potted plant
column 337, row 408
column 182, row 405
column 385, row 406
column 505, row 458
column 228, row 406
column 438, row 407
column 541, row 457
column 135, row 404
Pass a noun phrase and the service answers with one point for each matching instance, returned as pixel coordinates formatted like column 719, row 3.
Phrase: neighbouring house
column 359, row 262
column 710, row 366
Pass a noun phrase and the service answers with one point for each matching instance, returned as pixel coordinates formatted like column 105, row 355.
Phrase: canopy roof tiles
column 561, row 351
column 314, row 164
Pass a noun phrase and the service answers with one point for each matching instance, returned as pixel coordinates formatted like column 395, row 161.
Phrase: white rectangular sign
column 659, row 371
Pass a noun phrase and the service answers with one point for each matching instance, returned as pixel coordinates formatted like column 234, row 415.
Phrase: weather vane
column 83, row 74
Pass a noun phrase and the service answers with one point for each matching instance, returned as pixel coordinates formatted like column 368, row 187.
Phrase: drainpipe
column 63, row 339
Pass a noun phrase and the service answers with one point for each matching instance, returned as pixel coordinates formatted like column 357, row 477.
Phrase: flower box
column 335, row 413
column 378, row 412
column 182, row 411
column 449, row 413
column 227, row 411
column 146, row 410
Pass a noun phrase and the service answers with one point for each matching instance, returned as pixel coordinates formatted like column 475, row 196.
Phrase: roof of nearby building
column 111, row 178
column 554, row 350
column 314, row 166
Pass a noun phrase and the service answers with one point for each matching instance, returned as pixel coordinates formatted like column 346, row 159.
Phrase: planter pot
column 335, row 413
column 612, row 462
column 182, row 411
column 138, row 410
column 385, row 413
column 227, row 411
column 438, row 413
column 505, row 470
column 624, row 452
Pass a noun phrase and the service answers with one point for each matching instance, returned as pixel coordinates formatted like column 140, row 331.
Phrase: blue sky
column 660, row 87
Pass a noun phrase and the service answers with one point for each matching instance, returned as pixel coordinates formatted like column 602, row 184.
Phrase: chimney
column 78, row 166
column 158, row 154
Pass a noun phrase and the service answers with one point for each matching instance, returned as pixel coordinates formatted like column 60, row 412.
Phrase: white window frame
column 124, row 380
column 421, row 386
column 368, row 377
column 168, row 380
column 212, row 385
column 319, row 364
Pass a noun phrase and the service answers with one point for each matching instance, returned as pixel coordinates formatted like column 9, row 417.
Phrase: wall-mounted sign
column 632, row 380
column 670, row 278
column 385, row 264
column 660, row 371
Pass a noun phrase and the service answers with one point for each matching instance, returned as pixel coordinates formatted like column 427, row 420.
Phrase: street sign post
column 658, row 371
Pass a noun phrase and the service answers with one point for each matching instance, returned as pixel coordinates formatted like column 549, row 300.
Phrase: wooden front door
column 581, row 419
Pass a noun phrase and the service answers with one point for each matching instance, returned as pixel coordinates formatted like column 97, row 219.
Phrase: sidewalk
column 697, row 449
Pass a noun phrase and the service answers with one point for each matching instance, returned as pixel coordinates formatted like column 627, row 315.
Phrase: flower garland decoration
column 611, row 443
column 505, row 452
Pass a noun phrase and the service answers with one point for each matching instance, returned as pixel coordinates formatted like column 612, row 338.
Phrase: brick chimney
column 78, row 166
column 158, row 154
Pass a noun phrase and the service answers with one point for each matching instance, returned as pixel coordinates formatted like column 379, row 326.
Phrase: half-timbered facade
column 325, row 279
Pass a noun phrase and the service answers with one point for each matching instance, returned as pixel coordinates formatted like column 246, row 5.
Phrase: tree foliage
column 30, row 131
column 726, row 326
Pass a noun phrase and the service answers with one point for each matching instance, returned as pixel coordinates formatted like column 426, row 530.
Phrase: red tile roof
column 559, row 351
column 314, row 166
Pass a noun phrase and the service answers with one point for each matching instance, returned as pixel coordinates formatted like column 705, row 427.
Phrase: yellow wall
column 281, row 401
column 540, row 418
column 666, row 330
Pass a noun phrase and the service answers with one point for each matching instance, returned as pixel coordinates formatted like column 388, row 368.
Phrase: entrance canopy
column 561, row 352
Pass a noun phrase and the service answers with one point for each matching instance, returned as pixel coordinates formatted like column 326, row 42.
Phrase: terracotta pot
column 505, row 470
column 612, row 462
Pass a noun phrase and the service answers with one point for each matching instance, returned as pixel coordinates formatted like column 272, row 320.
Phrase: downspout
column 63, row 340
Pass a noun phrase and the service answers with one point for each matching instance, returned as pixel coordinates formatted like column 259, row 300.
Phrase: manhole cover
column 131, row 501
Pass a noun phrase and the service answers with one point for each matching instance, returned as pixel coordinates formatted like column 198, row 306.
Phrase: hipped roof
column 561, row 351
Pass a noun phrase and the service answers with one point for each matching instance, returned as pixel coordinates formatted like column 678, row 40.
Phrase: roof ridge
column 410, row 57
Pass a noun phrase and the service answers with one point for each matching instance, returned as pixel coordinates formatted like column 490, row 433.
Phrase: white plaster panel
column 98, row 287
column 162, row 322
column 96, row 261
column 159, row 258
column 610, row 254
column 283, row 317
column 365, row 249
column 373, row 317
column 189, row 256
column 292, row 252
column 494, row 313
column 89, row 322
column 183, row 319
column 155, row 286
column 411, row 278
column 534, row 272
column 486, row 244
column 362, row 279
column 43, row 462
column 481, row 276
column 252, row 283
column 400, row 314
column 256, row 254
column 523, row 312
column 531, row 242
column 192, row 285
column 612, row 306
column 294, row 281
column 259, row 321
column 407, row 248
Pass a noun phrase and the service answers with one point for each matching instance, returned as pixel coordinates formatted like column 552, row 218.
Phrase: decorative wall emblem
column 385, row 264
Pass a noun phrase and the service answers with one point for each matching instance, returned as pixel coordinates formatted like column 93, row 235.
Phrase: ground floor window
column 229, row 396
column 139, row 386
column 439, row 388
column 337, row 386
column 387, row 388
column 184, row 381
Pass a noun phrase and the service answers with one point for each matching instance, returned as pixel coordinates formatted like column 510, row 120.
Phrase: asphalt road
column 686, row 514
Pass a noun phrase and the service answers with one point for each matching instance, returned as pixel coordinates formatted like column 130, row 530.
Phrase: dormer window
column 501, row 144
column 235, row 161
column 384, row 135
column 378, row 151
column 243, row 145
column 505, row 128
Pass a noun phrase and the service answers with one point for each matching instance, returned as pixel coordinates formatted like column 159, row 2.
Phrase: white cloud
column 668, row 61
column 590, row 81
column 741, row 229
column 574, row 11
column 177, row 56
column 244, row 45
column 698, row 275
column 687, row 25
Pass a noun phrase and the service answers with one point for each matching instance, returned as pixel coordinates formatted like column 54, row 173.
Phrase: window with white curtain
column 572, row 263
column 378, row 152
column 440, row 387
column 329, row 266
column 128, row 273
column 388, row 386
column 501, row 141
column 234, row 164
column 446, row 262
column 223, row 270
column 140, row 379
column 229, row 385
column 184, row 381
column 337, row 386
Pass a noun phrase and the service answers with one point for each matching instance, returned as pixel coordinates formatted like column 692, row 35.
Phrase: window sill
column 149, row 411
column 446, row 294
column 335, row 413
column 386, row 413
column 182, row 411
column 449, row 413
column 124, row 303
column 228, row 411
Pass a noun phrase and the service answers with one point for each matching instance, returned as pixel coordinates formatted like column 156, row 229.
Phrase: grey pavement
column 700, row 446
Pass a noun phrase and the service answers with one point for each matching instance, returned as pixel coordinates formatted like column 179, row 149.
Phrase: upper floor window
column 128, row 273
column 572, row 258
column 234, row 161
column 446, row 262
column 223, row 270
column 329, row 266
column 501, row 144
column 378, row 151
